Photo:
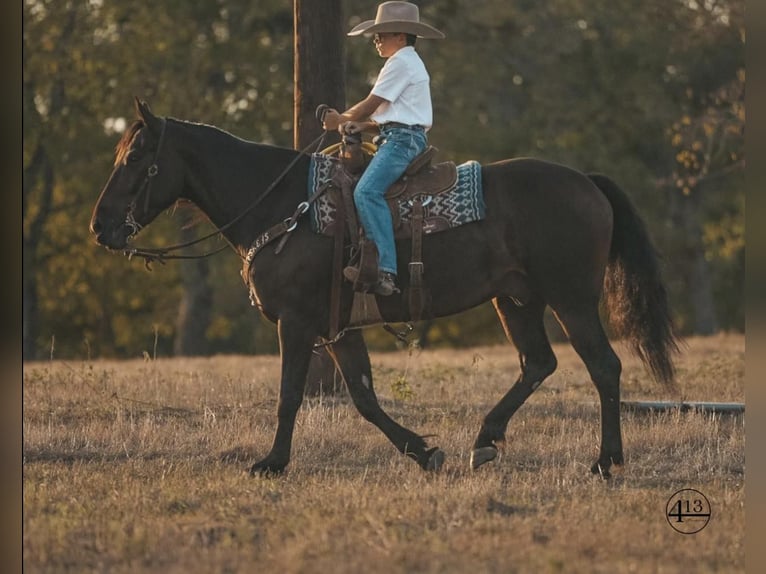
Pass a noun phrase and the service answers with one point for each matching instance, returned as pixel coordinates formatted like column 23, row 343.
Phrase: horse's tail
column 636, row 299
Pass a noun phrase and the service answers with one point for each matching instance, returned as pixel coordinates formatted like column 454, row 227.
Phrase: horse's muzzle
column 111, row 236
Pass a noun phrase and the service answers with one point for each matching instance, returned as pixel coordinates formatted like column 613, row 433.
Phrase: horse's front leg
column 296, row 341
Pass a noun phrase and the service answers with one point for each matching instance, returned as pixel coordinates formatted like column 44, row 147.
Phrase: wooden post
column 319, row 65
column 319, row 74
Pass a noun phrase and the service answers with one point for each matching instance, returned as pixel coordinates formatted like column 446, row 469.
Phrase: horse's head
column 145, row 181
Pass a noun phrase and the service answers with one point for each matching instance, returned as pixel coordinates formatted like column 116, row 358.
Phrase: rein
column 162, row 254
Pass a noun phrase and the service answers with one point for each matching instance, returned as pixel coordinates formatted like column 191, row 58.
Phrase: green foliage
column 651, row 93
column 401, row 389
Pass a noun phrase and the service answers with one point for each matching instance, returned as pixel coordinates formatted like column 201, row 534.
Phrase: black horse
column 576, row 237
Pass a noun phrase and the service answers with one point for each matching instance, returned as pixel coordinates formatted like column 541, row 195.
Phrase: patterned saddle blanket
column 462, row 203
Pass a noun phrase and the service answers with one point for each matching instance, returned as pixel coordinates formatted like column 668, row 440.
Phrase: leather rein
column 162, row 254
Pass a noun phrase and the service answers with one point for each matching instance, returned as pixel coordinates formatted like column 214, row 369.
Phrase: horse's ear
column 145, row 114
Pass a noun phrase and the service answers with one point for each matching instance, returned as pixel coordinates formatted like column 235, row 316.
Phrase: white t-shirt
column 404, row 83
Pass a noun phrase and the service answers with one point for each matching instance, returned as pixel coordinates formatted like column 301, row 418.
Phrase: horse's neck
column 228, row 175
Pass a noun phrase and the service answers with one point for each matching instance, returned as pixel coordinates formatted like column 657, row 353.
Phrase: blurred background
column 650, row 92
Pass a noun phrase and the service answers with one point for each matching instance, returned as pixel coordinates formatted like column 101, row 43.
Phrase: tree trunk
column 701, row 286
column 194, row 312
column 38, row 178
column 319, row 75
column 699, row 280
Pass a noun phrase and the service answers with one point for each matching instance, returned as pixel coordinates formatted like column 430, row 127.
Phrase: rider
column 399, row 106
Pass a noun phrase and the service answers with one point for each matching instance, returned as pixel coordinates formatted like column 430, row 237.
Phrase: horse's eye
column 132, row 156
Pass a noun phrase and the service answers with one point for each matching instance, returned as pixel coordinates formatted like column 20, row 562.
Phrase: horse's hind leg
column 586, row 333
column 524, row 328
column 351, row 356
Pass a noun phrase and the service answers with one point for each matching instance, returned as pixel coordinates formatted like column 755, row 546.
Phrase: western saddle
column 421, row 181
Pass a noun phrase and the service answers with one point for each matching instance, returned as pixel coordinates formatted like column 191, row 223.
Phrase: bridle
column 164, row 253
column 151, row 173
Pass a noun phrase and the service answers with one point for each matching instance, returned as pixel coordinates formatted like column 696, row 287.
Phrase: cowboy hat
column 400, row 17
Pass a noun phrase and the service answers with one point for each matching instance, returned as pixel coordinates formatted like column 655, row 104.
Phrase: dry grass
column 123, row 470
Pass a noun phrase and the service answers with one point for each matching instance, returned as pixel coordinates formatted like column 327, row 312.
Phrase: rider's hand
column 350, row 128
column 331, row 120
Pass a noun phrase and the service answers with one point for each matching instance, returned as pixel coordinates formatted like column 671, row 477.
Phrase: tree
column 83, row 63
column 705, row 186
column 54, row 43
column 648, row 92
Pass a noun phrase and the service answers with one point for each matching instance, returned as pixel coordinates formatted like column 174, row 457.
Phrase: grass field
column 139, row 466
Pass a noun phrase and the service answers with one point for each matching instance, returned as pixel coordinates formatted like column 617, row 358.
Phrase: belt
column 388, row 125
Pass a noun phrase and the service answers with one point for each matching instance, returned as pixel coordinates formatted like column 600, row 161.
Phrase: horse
column 578, row 239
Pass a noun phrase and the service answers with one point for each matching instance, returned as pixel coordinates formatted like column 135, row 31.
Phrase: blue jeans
column 400, row 145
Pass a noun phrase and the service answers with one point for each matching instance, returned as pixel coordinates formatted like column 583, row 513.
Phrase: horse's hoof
column 435, row 460
column 482, row 455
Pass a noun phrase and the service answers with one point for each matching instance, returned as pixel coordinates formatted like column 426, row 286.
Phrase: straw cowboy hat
column 401, row 17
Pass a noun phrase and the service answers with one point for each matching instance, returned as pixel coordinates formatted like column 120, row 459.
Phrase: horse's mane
column 123, row 146
column 216, row 131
